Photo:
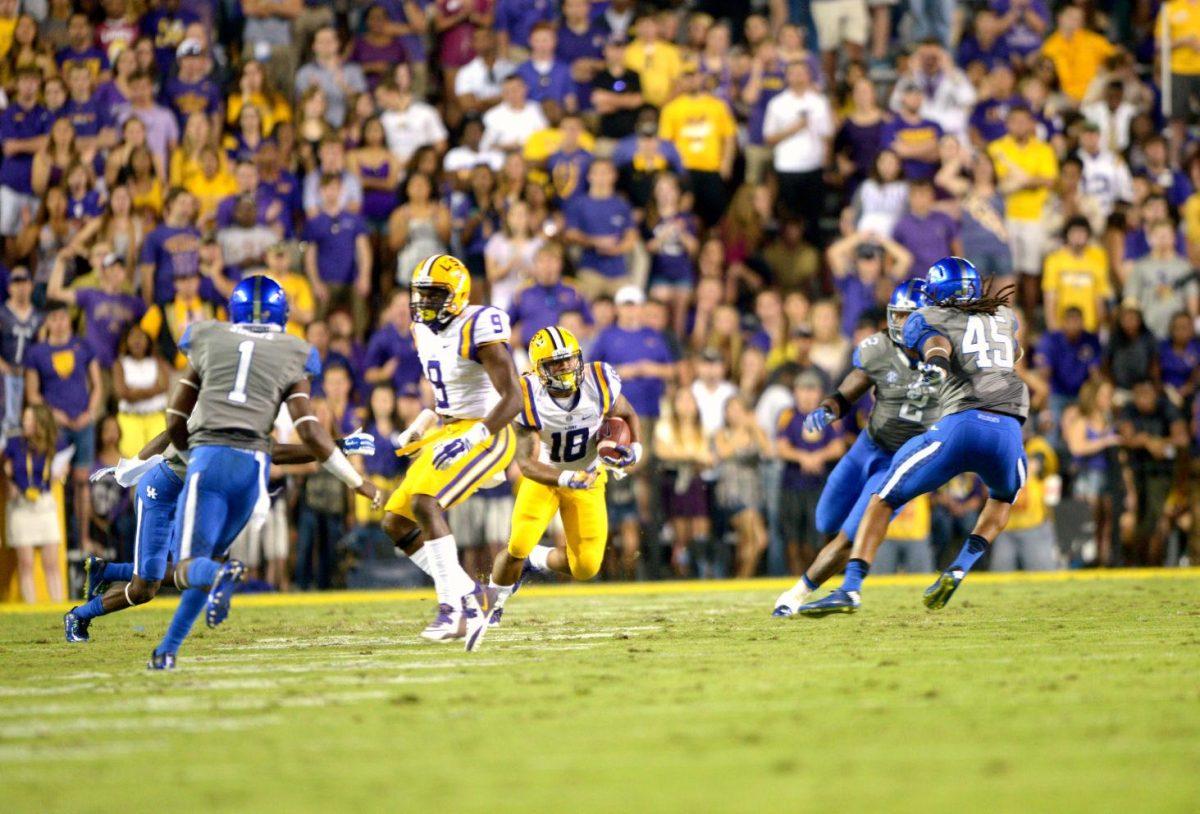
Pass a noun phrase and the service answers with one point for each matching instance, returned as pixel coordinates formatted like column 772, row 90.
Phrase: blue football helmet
column 953, row 279
column 908, row 297
column 258, row 300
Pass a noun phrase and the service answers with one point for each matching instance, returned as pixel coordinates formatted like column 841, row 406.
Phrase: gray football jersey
column 984, row 352
column 895, row 417
column 244, row 375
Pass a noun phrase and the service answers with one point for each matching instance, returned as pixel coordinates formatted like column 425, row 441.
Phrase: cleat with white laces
column 447, row 626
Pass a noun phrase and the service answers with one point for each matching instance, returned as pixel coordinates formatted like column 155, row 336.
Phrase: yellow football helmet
column 440, row 288
column 557, row 359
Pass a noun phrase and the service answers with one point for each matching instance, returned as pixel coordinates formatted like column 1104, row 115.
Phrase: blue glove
column 818, row 419
column 357, row 443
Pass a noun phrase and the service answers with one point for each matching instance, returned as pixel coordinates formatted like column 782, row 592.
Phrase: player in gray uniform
column 222, row 415
column 967, row 344
column 881, row 363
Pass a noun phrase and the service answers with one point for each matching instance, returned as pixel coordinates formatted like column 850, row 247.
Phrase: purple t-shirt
column 335, row 237
column 86, row 206
column 568, row 173
column 897, row 131
column 928, row 238
column 1070, row 363
column 600, row 216
column 186, row 98
column 18, row 122
column 538, row 306
column 28, row 469
column 108, row 316
column 671, row 262
column 94, row 59
column 62, row 374
column 392, row 53
column 989, row 115
column 970, row 50
column 771, row 85
column 618, row 346
column 518, row 17
column 166, row 29
column 856, row 297
column 1178, row 366
column 1021, row 39
column 555, row 83
column 88, row 117
column 173, row 252
column 792, row 429
column 587, row 45
column 388, row 343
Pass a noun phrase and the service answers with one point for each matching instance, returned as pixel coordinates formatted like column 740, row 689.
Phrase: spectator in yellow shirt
column 283, row 264
column 1026, row 169
column 1076, row 276
column 701, row 127
column 657, row 62
column 1178, row 24
column 1028, row 541
column 906, row 546
column 1076, row 52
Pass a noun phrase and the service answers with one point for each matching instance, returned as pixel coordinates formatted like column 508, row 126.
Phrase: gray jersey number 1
column 245, row 354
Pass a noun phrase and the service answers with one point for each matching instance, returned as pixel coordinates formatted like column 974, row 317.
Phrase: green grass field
column 1026, row 695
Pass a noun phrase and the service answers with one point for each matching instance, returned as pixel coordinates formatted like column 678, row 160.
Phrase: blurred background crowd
column 716, row 197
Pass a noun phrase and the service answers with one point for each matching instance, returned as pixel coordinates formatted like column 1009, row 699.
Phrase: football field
column 1066, row 693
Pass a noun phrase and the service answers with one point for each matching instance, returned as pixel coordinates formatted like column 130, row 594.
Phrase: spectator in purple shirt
column 338, row 259
column 541, row 302
column 107, row 309
column 391, row 356
column 377, row 50
column 62, row 373
column 165, row 25
column 984, row 44
column 192, row 89
column 580, row 46
column 162, row 130
column 171, row 250
column 91, row 119
column 1067, row 358
column 913, row 137
column 515, row 20
column 1179, row 357
column 989, row 119
column 269, row 209
column 928, row 234
column 639, row 354
column 24, row 125
column 1024, row 25
column 81, row 49
column 602, row 224
column 568, row 165
column 544, row 75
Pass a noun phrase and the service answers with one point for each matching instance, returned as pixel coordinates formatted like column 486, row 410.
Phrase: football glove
column 932, row 378
column 818, row 419
column 357, row 443
column 630, row 455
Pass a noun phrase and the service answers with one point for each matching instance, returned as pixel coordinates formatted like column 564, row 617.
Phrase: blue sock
column 974, row 548
column 201, row 573
column 190, row 605
column 856, row 572
column 93, row 608
column 118, row 572
column 808, row 583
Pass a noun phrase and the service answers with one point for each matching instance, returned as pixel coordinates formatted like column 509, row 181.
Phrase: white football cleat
column 448, row 626
column 475, row 617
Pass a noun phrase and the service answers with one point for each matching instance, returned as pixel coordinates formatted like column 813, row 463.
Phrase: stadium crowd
column 716, row 197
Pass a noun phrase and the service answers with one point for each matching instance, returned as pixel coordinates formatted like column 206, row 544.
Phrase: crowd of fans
column 716, row 197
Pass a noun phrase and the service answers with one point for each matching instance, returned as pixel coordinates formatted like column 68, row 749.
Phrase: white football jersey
column 449, row 358
column 568, row 432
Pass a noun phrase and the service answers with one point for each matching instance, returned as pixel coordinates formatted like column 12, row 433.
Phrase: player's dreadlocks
column 988, row 304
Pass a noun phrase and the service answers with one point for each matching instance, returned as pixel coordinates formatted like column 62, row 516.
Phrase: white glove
column 414, row 431
column 357, row 443
column 446, row 453
column 130, row 470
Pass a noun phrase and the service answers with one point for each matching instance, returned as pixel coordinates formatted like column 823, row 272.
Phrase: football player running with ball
column 565, row 403
column 966, row 339
column 464, row 352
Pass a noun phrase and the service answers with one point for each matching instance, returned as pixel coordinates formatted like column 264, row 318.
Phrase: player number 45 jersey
column 450, row 360
column 568, row 431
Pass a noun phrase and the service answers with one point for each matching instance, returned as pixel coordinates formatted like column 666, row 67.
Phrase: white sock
column 801, row 590
column 449, row 579
column 420, row 558
column 503, row 592
column 538, row 558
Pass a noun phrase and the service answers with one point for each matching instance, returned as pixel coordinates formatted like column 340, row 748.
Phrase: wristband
column 636, row 449
column 339, row 466
column 843, row 404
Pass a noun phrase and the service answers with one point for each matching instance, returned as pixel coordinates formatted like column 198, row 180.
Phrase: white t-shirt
column 462, row 158
column 711, row 404
column 475, row 78
column 416, row 126
column 506, row 128
column 501, row 250
column 803, row 151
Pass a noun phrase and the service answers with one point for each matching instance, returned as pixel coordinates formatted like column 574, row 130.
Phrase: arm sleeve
column 312, row 365
column 185, row 341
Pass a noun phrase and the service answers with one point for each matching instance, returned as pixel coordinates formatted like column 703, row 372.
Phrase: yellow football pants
column 584, row 516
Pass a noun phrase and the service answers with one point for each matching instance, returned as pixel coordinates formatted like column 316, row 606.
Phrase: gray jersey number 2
column 245, row 354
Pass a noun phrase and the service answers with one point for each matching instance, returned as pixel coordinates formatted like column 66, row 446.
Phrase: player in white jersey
column 564, row 405
column 465, row 356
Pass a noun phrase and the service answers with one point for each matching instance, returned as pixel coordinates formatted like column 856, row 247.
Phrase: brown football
column 614, row 432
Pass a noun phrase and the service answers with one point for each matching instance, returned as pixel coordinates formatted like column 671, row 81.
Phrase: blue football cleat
column 939, row 593
column 75, row 628
column 93, row 582
column 783, row 611
column 837, row 602
column 161, row 661
column 221, row 593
